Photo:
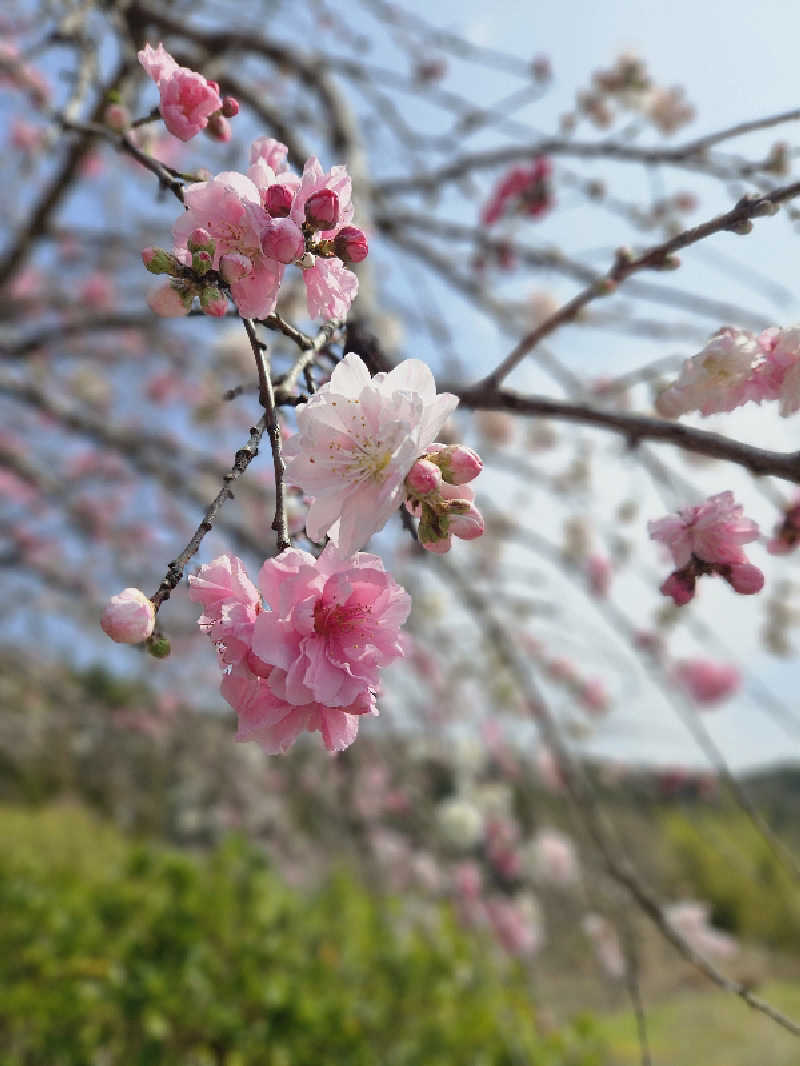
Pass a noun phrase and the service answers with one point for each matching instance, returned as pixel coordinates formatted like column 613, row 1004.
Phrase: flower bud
column 169, row 301
column 230, row 106
column 350, row 244
column 464, row 520
column 117, row 117
column 213, row 301
column 458, row 464
column 158, row 261
column 680, row 586
column 233, row 267
column 200, row 240
column 129, row 617
column 201, row 262
column 283, row 240
column 745, row 579
column 438, row 547
column 423, row 478
column 218, row 128
column 322, row 209
column 278, row 200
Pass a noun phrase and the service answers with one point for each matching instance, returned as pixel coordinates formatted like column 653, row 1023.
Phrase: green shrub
column 722, row 859
column 113, row 952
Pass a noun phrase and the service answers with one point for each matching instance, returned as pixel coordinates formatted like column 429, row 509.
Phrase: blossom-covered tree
column 350, row 273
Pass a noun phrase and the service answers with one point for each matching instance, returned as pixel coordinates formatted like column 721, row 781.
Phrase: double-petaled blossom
column 312, row 661
column 708, row 539
column 187, row 100
column 357, row 439
column 736, row 367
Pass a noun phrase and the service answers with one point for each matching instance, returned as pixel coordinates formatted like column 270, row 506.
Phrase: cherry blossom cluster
column 525, row 191
column 312, row 661
column 187, row 101
column 736, row 367
column 438, row 494
column 708, row 539
column 241, row 231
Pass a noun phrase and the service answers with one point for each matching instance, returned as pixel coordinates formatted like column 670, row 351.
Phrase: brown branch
column 659, row 257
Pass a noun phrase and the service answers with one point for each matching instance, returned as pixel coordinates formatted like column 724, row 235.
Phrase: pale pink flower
column 330, row 288
column 606, row 944
column 516, row 923
column 714, row 531
column 357, row 439
column 129, row 617
column 271, row 151
column 707, row 681
column 187, row 100
column 313, row 661
column 718, row 378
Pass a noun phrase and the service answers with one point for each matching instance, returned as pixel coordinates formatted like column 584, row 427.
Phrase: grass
column 709, row 1028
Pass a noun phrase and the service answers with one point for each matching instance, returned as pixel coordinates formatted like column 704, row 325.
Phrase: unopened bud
column 745, row 579
column 117, row 117
column 350, row 244
column 464, row 520
column 322, row 209
column 230, row 106
column 283, row 240
column 458, row 464
column 202, row 262
column 200, row 240
column 213, row 301
column 158, row 261
column 278, row 200
column 423, row 478
column 218, row 128
column 129, row 617
column 742, row 227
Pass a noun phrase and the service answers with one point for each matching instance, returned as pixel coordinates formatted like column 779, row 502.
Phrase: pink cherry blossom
column 187, row 100
column 714, row 531
column 129, row 617
column 330, row 288
column 271, row 151
column 313, row 661
column 315, row 180
column 718, row 378
column 554, row 859
column 707, row 681
column 357, row 439
column 691, row 919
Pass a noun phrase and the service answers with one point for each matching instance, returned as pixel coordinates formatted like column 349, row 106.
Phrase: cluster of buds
column 438, row 494
column 175, row 298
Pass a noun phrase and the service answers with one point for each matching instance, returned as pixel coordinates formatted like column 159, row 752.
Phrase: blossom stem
column 266, row 396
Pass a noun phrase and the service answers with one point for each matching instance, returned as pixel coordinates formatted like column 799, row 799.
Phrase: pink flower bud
column 218, row 128
column 278, row 200
column 233, row 267
column 158, row 261
column 350, row 244
column 129, row 617
column 213, row 302
column 230, row 106
column 283, row 240
column 423, row 478
column 459, row 464
column 745, row 579
column 438, row 547
column 169, row 302
column 680, row 586
column 200, row 240
column 117, row 117
column 201, row 263
column 322, row 209
column 467, row 524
